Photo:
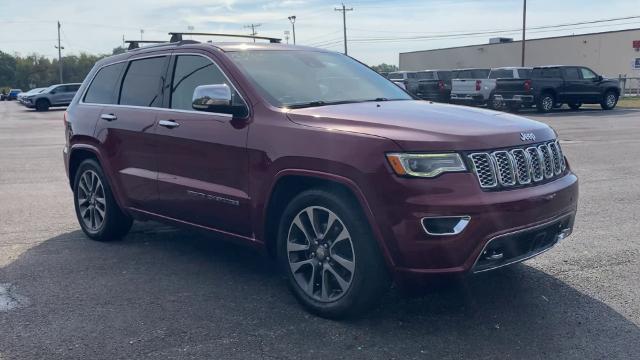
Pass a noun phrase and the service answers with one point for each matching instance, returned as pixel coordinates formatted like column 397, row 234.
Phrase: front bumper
column 493, row 215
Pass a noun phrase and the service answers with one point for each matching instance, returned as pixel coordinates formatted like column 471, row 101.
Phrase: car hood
column 426, row 126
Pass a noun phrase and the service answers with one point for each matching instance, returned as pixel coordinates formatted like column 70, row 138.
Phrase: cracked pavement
column 179, row 294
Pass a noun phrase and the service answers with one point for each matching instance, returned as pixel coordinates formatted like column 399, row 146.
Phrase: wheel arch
column 289, row 183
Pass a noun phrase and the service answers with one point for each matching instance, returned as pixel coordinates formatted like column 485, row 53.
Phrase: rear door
column 203, row 172
column 575, row 87
column 126, row 131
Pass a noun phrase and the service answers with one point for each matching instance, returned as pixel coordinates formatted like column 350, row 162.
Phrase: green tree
column 387, row 68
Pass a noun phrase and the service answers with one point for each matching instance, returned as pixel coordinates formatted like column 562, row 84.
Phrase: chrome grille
column 518, row 166
column 523, row 168
column 547, row 161
column 484, row 169
column 536, row 164
column 504, row 168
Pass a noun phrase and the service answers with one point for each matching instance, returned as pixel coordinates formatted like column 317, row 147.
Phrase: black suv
column 552, row 86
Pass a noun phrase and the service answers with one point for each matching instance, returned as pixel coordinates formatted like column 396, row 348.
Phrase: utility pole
column 141, row 33
column 344, row 23
column 286, row 35
column 524, row 27
column 123, row 43
column 59, row 47
column 292, row 18
column 253, row 29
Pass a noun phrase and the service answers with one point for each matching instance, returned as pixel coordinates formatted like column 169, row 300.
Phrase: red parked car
column 338, row 173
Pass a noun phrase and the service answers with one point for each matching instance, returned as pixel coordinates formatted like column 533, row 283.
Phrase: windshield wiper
column 307, row 104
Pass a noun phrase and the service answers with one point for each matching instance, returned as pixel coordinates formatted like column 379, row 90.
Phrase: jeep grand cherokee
column 338, row 173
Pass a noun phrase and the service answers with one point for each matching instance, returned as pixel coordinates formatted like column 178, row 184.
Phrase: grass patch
column 629, row 102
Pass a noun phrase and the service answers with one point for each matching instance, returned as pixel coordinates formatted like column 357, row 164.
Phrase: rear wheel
column 495, row 104
column 42, row 105
column 546, row 102
column 609, row 101
column 575, row 106
column 332, row 262
column 97, row 211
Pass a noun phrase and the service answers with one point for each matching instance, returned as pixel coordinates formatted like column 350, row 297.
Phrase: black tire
column 369, row 279
column 609, row 100
column 115, row 224
column 546, row 102
column 575, row 106
column 42, row 105
column 494, row 104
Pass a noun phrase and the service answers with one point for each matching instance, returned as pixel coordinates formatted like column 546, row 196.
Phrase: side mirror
column 599, row 78
column 216, row 98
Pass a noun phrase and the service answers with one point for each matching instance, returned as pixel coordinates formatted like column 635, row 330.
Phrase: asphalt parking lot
column 169, row 293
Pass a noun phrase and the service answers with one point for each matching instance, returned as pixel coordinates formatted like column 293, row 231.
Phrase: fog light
column 445, row 225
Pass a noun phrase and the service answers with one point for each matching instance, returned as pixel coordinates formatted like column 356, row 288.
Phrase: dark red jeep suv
column 340, row 174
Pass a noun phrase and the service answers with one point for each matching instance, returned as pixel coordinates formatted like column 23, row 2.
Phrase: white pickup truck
column 476, row 86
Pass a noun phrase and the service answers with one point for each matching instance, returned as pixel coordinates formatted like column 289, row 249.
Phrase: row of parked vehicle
column 43, row 98
column 545, row 87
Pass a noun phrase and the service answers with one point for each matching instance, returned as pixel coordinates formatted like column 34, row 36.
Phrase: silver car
column 54, row 95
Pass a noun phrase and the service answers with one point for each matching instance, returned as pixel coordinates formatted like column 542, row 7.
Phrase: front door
column 202, row 156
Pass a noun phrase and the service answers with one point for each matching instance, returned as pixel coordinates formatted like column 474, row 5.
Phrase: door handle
column 108, row 117
column 169, row 124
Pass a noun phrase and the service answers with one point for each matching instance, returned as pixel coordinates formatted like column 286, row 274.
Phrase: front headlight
column 425, row 165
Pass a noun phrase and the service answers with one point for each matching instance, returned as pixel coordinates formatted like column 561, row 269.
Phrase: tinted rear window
column 396, row 76
column 524, row 73
column 444, row 75
column 103, row 87
column 472, row 74
column 546, row 73
column 426, row 75
column 501, row 74
column 141, row 85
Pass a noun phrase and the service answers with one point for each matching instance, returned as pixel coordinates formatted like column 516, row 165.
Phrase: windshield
column 299, row 78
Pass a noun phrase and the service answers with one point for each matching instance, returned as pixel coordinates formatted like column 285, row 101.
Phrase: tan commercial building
column 611, row 54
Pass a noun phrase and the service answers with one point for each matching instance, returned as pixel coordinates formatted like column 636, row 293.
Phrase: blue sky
column 98, row 26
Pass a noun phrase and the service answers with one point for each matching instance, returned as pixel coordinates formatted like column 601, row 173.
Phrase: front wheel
column 98, row 213
column 333, row 265
column 609, row 101
column 42, row 105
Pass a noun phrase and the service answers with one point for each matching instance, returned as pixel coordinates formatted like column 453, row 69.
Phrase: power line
column 344, row 23
column 253, row 29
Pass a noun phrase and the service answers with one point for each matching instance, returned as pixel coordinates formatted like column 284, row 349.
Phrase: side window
column 551, row 73
column 73, row 88
column 142, row 82
column 190, row 72
column 103, row 87
column 524, row 73
column 587, row 74
column 571, row 74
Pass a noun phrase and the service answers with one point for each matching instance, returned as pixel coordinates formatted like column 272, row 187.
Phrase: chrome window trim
column 170, row 53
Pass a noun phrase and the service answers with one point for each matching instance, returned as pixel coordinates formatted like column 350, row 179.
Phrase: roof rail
column 135, row 44
column 177, row 36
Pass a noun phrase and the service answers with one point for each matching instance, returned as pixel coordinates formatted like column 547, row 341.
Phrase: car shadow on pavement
column 169, row 293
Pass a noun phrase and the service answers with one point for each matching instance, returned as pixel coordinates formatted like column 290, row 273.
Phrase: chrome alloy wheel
column 320, row 253
column 547, row 103
column 611, row 100
column 92, row 205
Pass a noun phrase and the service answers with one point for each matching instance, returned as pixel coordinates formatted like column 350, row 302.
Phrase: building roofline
column 519, row 41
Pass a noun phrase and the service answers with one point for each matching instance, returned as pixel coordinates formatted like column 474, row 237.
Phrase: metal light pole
column 524, row 27
column 292, row 18
column 59, row 47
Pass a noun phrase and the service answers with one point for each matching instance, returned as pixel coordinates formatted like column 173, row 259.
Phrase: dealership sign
column 636, row 44
column 636, row 64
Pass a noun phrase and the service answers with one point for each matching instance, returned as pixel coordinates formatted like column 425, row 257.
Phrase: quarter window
column 190, row 72
column 142, row 82
column 103, row 87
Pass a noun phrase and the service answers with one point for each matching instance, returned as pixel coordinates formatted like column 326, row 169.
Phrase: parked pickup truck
column 553, row 86
column 476, row 86
column 402, row 78
column 433, row 85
